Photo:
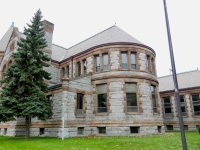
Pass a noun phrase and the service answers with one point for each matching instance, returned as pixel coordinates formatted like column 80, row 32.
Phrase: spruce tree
column 24, row 89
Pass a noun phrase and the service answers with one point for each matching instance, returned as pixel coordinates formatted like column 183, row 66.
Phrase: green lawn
column 171, row 140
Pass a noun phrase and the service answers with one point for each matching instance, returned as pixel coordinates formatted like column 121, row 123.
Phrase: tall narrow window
column 105, row 62
column 84, row 67
column 124, row 60
column 152, row 66
column 153, row 96
column 67, row 71
column 148, row 64
column 131, row 97
column 79, row 110
column 167, row 107
column 63, row 72
column 196, row 104
column 78, row 69
column 50, row 101
column 102, row 98
column 183, row 108
column 97, row 63
column 133, row 61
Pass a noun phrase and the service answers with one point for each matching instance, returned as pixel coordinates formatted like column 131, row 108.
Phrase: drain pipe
column 63, row 122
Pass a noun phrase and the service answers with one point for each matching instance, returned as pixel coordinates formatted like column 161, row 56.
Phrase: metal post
column 63, row 123
column 175, row 80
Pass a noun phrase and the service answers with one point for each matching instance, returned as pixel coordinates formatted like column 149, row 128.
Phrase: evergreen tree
column 24, row 88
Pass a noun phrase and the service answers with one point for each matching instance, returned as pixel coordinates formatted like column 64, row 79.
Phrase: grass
column 169, row 141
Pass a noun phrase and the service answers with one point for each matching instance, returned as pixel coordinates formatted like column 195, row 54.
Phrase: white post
column 63, row 123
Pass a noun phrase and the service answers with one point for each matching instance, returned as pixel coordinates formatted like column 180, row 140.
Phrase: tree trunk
column 28, row 122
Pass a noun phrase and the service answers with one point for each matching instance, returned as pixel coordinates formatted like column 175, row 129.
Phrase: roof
column 58, row 52
column 5, row 39
column 110, row 35
column 185, row 80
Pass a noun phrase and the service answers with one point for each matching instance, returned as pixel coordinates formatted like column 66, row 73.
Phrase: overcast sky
column 76, row 20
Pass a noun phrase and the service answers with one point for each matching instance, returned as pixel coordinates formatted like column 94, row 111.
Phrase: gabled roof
column 110, row 35
column 5, row 39
column 58, row 52
column 185, row 80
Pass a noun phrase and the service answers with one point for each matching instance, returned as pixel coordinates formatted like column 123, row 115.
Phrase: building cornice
column 106, row 44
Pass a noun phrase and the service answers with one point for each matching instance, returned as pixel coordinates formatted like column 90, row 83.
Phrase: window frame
column 136, row 96
column 159, row 129
column 67, row 71
column 169, row 126
column 97, row 98
column 148, row 63
column 51, row 104
column 82, row 132
column 84, row 70
column 164, row 114
column 185, row 105
column 82, row 114
column 104, row 54
column 96, row 66
column 138, row 130
column 127, row 62
column 153, row 66
column 156, row 101
column 78, row 68
column 98, row 128
column 193, row 104
column 63, row 72
column 135, row 60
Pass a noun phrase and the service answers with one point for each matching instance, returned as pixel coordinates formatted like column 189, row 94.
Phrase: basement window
column 169, row 127
column 5, row 131
column 159, row 129
column 42, row 131
column 134, row 130
column 80, row 130
column 101, row 130
column 185, row 127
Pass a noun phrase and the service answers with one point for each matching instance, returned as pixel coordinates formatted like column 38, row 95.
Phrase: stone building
column 104, row 85
column 189, row 91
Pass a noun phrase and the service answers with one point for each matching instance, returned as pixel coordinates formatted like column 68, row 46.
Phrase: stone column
column 142, row 62
column 65, row 85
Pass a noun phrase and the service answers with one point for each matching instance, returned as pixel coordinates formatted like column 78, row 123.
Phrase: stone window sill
column 156, row 114
column 132, row 113
column 77, row 116
column 101, row 114
column 196, row 116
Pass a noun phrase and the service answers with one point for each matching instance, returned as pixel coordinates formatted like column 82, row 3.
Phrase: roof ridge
column 179, row 73
column 59, row 46
column 92, row 36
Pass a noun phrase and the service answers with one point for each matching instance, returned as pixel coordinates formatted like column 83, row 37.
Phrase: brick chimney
column 48, row 27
